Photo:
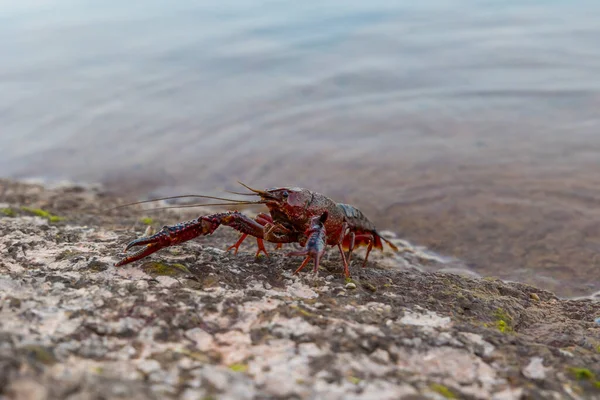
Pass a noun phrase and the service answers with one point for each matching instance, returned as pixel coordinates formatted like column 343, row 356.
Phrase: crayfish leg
column 259, row 242
column 263, row 219
column 362, row 239
column 346, row 269
column 317, row 261
column 237, row 244
column 261, row 247
column 351, row 237
column 303, row 264
column 368, row 251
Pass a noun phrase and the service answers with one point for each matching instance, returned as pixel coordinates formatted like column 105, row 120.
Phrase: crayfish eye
column 285, row 194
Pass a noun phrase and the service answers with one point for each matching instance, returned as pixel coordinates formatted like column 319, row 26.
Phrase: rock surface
column 195, row 322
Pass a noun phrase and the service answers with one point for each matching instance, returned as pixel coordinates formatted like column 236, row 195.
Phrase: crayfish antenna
column 241, row 194
column 259, row 192
column 230, row 202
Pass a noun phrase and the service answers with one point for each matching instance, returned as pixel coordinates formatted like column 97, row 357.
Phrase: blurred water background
column 471, row 127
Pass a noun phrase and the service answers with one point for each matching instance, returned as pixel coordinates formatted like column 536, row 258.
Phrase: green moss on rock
column 147, row 221
column 303, row 311
column 370, row 287
column 582, row 374
column 66, row 255
column 162, row 269
column 9, row 212
column 97, row 266
column 210, row 281
column 43, row 214
column 238, row 367
column 442, row 390
column 504, row 322
column 194, row 355
column 39, row 353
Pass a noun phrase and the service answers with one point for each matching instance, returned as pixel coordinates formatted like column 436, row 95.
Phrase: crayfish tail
column 392, row 245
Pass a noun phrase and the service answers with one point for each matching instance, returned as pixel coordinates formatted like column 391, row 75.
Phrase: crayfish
column 296, row 215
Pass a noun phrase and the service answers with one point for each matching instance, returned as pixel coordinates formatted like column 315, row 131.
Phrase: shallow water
column 471, row 130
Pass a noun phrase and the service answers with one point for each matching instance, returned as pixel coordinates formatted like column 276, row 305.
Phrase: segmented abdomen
column 356, row 219
column 363, row 229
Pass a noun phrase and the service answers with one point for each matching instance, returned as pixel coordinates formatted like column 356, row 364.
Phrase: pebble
column 350, row 285
column 141, row 285
column 566, row 353
column 535, row 369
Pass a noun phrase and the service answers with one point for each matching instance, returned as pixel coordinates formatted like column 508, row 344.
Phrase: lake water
column 470, row 127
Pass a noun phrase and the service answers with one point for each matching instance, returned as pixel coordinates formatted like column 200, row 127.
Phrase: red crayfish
column 296, row 215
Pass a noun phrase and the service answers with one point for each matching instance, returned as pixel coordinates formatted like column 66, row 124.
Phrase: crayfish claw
column 141, row 253
column 139, row 242
column 152, row 244
column 163, row 237
column 184, row 231
column 315, row 244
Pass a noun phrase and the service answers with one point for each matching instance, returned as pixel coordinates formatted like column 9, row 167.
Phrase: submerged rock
column 196, row 322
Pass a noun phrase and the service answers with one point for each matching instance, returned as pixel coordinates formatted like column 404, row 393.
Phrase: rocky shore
column 196, row 322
